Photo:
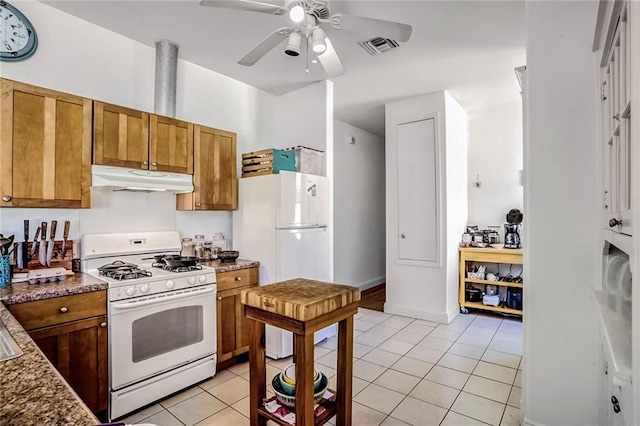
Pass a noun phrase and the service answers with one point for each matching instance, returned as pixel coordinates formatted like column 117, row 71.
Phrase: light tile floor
column 406, row 372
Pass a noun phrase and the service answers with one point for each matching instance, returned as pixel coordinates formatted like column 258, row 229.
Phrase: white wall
column 561, row 201
column 426, row 289
column 495, row 154
column 455, row 195
column 359, row 207
column 78, row 57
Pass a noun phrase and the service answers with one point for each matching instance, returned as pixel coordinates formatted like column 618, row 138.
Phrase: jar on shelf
column 188, row 248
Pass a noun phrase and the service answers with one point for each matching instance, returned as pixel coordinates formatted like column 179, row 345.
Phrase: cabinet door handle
column 64, row 310
column 198, row 204
column 145, row 162
column 6, row 198
column 219, row 297
column 103, row 324
column 154, row 164
column 238, row 278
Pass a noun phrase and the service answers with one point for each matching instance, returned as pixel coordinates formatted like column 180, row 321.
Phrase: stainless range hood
column 124, row 179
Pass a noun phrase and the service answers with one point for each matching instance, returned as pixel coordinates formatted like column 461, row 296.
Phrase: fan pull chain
column 307, row 56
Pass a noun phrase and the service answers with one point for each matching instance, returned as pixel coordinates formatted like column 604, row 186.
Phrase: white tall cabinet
column 426, row 204
column 618, row 42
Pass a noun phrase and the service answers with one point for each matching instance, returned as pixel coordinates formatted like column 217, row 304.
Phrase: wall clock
column 18, row 39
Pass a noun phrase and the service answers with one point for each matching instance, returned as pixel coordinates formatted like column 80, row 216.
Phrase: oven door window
column 166, row 331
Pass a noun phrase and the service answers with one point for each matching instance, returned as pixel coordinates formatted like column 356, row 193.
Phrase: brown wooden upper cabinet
column 215, row 172
column 125, row 137
column 45, row 147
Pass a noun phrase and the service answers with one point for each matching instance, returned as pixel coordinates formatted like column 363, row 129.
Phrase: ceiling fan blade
column 330, row 61
column 275, row 7
column 372, row 27
column 265, row 46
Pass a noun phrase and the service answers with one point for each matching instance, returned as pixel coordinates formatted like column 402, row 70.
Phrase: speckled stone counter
column 231, row 266
column 25, row 292
column 32, row 392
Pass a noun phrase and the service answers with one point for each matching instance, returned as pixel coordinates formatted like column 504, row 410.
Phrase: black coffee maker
column 512, row 229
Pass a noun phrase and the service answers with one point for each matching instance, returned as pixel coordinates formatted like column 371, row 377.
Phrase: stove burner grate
column 181, row 268
column 125, row 273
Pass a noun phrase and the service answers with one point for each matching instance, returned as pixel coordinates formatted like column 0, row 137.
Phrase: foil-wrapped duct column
column 166, row 75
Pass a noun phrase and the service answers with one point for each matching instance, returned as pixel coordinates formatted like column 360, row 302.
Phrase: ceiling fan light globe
column 296, row 14
column 293, row 45
column 319, row 45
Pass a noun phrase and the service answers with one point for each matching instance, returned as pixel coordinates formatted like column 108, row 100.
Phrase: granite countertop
column 231, row 266
column 33, row 392
column 74, row 284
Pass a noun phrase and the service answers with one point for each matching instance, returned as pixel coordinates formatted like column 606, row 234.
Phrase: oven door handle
column 128, row 305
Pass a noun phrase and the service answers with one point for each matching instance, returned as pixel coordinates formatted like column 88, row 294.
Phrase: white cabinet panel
column 417, row 191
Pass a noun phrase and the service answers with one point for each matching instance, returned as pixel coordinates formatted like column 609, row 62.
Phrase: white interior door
column 417, row 191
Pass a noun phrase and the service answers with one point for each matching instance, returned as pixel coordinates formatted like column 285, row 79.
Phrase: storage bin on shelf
column 308, row 160
column 267, row 161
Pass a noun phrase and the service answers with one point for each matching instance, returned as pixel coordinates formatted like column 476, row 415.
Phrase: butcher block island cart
column 303, row 307
column 487, row 255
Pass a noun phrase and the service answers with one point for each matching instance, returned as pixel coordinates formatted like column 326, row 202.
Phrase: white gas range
column 162, row 323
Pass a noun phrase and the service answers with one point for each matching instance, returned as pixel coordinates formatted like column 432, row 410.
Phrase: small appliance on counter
column 513, row 229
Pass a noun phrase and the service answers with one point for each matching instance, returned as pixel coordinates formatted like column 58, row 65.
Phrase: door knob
column 614, row 222
column 103, row 324
column 219, row 297
column 145, row 162
column 402, row 236
column 238, row 278
column 6, row 198
column 154, row 164
column 64, row 310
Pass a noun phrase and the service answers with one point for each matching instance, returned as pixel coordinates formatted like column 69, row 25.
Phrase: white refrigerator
column 282, row 222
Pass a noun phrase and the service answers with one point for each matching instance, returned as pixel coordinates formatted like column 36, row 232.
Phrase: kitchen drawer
column 60, row 310
column 234, row 279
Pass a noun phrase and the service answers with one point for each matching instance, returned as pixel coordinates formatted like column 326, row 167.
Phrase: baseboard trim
column 372, row 283
column 408, row 311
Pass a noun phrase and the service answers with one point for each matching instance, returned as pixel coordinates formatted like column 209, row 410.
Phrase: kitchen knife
column 25, row 250
column 52, row 242
column 22, row 257
column 34, row 246
column 65, row 235
column 42, row 248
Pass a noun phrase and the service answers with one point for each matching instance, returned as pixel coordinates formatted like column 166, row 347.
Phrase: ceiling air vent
column 378, row 45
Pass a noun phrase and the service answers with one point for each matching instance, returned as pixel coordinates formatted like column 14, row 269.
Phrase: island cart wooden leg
column 345, row 372
column 257, row 371
column 304, row 379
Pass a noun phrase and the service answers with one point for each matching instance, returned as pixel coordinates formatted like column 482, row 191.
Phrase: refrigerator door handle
column 301, row 227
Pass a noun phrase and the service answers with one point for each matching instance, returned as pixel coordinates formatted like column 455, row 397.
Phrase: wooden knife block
column 56, row 260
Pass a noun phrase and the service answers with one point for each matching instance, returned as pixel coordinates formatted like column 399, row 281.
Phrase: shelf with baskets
column 500, row 256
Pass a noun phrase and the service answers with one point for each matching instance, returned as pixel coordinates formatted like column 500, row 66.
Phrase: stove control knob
column 192, row 280
column 145, row 288
column 202, row 279
column 170, row 284
column 131, row 291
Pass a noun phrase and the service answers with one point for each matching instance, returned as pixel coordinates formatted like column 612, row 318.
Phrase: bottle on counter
column 198, row 245
column 219, row 241
column 188, row 248
column 207, row 250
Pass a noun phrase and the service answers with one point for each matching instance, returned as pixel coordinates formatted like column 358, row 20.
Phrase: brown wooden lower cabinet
column 78, row 350
column 77, row 347
column 232, row 329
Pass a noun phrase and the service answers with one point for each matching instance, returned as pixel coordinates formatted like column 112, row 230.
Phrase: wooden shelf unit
column 487, row 255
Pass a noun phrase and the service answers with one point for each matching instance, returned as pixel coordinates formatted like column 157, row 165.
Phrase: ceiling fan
column 309, row 23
